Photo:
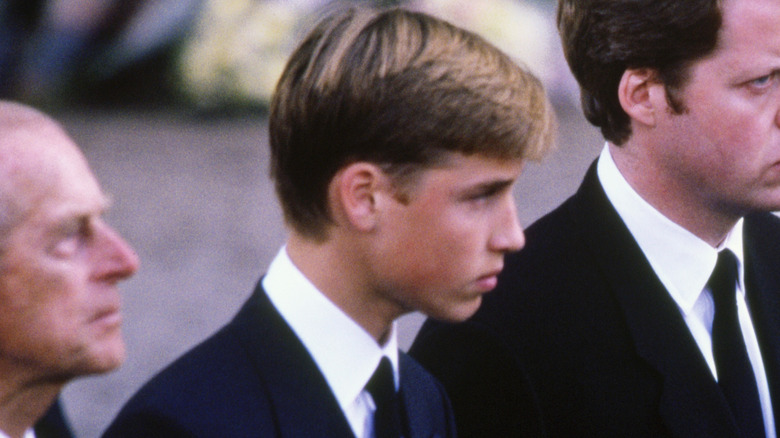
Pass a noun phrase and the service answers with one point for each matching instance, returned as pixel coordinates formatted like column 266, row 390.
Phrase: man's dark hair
column 603, row 38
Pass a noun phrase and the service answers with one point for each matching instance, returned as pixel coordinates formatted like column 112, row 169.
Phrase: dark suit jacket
column 254, row 378
column 53, row 424
column 580, row 338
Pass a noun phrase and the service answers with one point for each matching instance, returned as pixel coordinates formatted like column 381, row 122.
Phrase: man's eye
column 67, row 245
column 70, row 232
column 72, row 236
column 763, row 81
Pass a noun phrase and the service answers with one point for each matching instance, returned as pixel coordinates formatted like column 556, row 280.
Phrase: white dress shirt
column 345, row 353
column 29, row 433
column 684, row 263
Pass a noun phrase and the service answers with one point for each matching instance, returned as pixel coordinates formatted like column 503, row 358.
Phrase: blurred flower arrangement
column 519, row 28
column 237, row 49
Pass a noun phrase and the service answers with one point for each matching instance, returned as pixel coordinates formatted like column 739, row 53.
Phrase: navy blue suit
column 53, row 424
column 254, row 378
column 580, row 338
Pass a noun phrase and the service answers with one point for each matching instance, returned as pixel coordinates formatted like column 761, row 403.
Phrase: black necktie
column 381, row 386
column 735, row 373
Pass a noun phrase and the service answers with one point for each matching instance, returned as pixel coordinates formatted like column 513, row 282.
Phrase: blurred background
column 168, row 99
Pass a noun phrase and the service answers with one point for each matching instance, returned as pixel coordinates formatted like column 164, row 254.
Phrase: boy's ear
column 356, row 194
column 641, row 95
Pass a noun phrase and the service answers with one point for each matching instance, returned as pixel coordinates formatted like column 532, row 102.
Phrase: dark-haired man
column 614, row 320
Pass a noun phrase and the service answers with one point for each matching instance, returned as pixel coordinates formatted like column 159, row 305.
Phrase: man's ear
column 356, row 193
column 641, row 95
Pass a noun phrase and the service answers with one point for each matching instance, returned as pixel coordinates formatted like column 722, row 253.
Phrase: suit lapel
column 691, row 403
column 762, row 278
column 303, row 402
column 422, row 408
column 53, row 423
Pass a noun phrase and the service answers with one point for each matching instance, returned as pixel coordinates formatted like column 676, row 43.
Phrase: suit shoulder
column 211, row 386
column 53, row 424
column 417, row 375
column 762, row 244
column 429, row 408
column 548, row 241
column 554, row 219
column 468, row 344
column 555, row 262
column 216, row 359
column 763, row 224
column 477, row 368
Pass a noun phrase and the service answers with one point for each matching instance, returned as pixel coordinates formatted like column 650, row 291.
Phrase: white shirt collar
column 29, row 433
column 682, row 261
column 345, row 353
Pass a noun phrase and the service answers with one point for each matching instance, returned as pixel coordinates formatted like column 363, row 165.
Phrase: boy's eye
column 486, row 194
column 482, row 195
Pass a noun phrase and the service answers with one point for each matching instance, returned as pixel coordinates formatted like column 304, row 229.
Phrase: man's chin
column 104, row 359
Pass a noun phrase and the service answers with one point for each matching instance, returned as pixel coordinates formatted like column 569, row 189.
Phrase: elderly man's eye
column 71, row 236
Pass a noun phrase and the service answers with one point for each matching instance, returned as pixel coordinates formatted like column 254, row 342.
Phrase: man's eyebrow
column 78, row 212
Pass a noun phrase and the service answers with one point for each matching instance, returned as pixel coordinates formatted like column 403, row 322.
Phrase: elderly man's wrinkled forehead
column 29, row 138
column 32, row 150
column 19, row 122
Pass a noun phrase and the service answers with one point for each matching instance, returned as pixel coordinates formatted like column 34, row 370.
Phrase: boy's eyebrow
column 491, row 186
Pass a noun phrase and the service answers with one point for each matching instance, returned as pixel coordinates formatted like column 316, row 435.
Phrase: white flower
column 520, row 29
column 523, row 30
column 238, row 49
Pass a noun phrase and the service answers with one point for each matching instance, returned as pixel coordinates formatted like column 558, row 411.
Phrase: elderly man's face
column 59, row 304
